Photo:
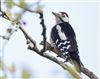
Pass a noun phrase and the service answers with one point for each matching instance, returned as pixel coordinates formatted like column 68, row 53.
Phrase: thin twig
column 0, row 5
column 43, row 32
column 27, row 9
column 4, row 37
column 29, row 38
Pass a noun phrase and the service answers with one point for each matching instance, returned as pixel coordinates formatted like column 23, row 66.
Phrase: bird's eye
column 63, row 16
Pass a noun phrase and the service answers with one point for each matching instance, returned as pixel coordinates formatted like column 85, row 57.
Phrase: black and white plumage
column 64, row 39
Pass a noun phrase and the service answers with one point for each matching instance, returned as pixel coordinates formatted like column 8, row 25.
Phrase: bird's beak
column 55, row 14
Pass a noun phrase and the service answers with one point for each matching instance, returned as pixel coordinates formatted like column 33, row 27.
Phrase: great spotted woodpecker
column 63, row 38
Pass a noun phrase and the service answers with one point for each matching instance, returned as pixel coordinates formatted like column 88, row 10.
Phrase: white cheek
column 66, row 19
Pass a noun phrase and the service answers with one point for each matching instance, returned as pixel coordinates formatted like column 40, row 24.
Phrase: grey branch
column 89, row 73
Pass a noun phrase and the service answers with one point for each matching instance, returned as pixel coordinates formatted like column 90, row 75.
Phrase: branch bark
column 89, row 73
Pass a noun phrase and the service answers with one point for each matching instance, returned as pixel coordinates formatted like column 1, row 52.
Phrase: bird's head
column 61, row 17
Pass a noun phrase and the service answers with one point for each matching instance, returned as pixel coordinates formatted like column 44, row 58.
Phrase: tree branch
column 89, row 73
column 43, row 32
column 28, row 38
column 0, row 5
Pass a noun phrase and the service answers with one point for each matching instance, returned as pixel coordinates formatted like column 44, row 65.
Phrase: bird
column 63, row 38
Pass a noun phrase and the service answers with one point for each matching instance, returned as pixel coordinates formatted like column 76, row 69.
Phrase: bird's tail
column 76, row 61
column 74, row 57
column 77, row 65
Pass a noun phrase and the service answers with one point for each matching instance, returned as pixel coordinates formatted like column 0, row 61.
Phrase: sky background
column 84, row 18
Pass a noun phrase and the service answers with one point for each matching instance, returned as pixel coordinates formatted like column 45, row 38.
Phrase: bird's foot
column 67, row 58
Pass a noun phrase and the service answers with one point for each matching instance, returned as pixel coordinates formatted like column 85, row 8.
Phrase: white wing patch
column 68, row 46
column 61, row 34
column 62, row 43
column 56, row 41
